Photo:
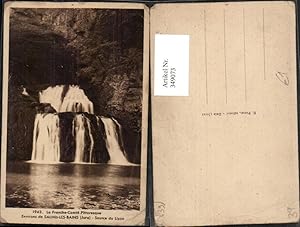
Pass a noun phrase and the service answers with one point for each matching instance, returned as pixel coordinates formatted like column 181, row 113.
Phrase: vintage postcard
column 224, row 113
column 74, row 118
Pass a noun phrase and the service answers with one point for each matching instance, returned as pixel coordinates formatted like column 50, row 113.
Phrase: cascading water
column 47, row 128
column 46, row 137
column 67, row 99
column 81, row 128
column 112, row 142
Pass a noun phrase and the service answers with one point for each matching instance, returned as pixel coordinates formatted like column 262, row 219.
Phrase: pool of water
column 72, row 186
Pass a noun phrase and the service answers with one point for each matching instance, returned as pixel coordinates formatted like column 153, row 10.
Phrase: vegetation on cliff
column 100, row 50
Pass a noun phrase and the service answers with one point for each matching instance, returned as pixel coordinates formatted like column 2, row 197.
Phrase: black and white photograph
column 74, row 108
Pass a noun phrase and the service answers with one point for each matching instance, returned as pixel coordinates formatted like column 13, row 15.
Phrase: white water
column 74, row 100
column 112, row 142
column 24, row 92
column 46, row 136
column 79, row 131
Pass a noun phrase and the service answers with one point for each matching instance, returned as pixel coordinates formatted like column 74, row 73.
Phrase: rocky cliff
column 99, row 50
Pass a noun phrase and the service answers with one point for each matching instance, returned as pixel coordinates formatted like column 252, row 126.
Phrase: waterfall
column 46, row 138
column 112, row 142
column 47, row 128
column 66, row 98
column 81, row 128
column 46, row 135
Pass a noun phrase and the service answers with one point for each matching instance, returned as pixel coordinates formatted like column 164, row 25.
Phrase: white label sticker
column 171, row 65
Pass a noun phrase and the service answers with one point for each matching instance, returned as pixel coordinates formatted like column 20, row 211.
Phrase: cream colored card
column 74, row 113
column 227, row 152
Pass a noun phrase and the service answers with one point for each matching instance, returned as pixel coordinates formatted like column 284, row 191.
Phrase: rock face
column 100, row 50
column 44, row 108
column 67, row 141
column 21, row 115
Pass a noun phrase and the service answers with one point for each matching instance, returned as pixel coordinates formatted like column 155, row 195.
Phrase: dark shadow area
column 100, row 50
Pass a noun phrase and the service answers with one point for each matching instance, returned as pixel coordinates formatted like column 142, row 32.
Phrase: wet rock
column 44, row 108
column 50, row 47
column 67, row 142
